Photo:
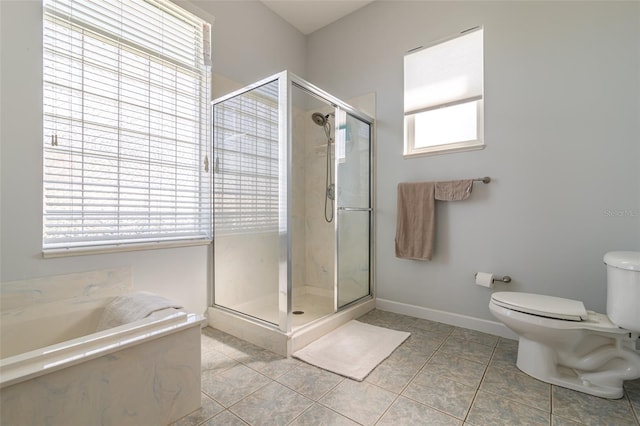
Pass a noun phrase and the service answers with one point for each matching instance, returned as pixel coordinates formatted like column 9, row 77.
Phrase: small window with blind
column 443, row 96
column 126, row 91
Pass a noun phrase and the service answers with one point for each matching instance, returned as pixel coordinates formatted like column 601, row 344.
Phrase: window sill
column 444, row 149
column 118, row 248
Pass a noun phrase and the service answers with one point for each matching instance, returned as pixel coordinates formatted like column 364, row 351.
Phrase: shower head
column 319, row 119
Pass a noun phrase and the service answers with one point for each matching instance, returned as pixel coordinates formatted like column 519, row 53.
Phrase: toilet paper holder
column 505, row 279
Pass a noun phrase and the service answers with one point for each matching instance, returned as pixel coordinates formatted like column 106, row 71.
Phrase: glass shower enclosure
column 293, row 204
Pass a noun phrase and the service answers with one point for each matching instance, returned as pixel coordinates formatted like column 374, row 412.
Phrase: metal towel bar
column 485, row 179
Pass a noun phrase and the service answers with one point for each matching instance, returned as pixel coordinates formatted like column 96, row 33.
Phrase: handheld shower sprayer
column 323, row 121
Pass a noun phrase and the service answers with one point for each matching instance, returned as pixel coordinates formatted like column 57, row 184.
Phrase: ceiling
column 311, row 15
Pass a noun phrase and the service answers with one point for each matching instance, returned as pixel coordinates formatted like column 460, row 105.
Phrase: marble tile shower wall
column 300, row 127
column 319, row 235
column 441, row 375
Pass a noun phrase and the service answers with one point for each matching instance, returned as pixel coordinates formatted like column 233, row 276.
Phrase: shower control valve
column 331, row 192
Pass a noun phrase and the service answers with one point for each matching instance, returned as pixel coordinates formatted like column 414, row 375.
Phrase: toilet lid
column 539, row 304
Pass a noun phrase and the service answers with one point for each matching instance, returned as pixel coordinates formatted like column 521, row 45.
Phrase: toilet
column 562, row 343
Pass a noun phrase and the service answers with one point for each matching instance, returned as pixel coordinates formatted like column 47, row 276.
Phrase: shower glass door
column 249, row 169
column 354, row 207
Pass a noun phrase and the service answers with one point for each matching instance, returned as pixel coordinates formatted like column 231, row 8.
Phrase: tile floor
column 441, row 375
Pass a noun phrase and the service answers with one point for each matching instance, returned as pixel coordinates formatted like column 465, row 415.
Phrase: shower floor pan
column 314, row 302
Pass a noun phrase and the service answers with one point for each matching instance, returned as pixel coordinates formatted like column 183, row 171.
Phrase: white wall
column 562, row 107
column 562, row 144
column 250, row 42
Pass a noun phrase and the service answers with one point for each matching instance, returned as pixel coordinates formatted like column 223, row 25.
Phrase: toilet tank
column 623, row 289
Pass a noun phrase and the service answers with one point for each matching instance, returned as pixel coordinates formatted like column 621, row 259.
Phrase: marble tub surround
column 146, row 372
column 57, row 369
column 441, row 375
column 25, row 294
column 68, row 354
column 54, row 309
column 146, row 384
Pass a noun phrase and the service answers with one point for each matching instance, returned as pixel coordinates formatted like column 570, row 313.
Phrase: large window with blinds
column 443, row 96
column 126, row 90
column 246, row 170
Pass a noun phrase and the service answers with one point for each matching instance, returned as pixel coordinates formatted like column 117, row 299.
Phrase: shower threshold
column 269, row 337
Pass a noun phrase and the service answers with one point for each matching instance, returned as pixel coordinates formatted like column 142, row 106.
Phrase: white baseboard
column 478, row 324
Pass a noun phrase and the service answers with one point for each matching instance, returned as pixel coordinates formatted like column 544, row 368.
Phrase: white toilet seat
column 541, row 305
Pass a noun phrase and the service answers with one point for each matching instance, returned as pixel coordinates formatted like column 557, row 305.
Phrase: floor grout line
column 484, row 373
column 394, row 321
column 400, row 394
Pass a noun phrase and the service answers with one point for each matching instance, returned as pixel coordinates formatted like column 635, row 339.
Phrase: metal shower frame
column 286, row 82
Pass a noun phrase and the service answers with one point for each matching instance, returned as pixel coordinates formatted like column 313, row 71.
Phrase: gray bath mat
column 352, row 350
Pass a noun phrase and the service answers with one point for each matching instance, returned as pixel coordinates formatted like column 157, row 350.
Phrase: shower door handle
column 356, row 209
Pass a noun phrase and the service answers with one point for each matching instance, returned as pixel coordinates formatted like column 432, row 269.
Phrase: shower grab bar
column 356, row 209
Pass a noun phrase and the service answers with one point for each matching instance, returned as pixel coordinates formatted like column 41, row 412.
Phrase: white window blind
column 246, row 151
column 126, row 123
column 443, row 92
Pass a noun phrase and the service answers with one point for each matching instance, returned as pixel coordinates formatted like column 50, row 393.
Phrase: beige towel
column 453, row 190
column 132, row 307
column 416, row 214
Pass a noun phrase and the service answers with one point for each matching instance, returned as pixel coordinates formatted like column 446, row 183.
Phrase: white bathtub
column 54, row 370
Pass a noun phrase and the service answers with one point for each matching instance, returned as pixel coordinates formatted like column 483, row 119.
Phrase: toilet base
column 541, row 362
